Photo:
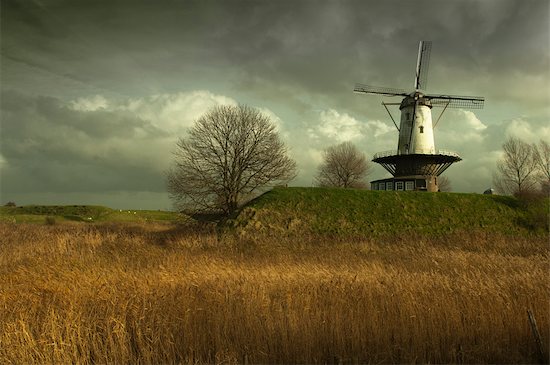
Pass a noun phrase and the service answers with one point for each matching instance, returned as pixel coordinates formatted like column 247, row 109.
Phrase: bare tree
column 444, row 184
column 343, row 166
column 517, row 168
column 541, row 154
column 230, row 154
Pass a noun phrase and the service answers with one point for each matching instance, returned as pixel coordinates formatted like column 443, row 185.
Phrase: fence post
column 536, row 334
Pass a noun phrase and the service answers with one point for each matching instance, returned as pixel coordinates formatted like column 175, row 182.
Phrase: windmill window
column 421, row 129
column 408, row 117
column 409, row 185
column 389, row 185
column 399, row 185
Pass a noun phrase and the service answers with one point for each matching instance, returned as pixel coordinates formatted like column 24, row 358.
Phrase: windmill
column 416, row 163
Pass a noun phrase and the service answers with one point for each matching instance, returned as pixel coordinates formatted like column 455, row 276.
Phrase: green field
column 333, row 212
column 82, row 213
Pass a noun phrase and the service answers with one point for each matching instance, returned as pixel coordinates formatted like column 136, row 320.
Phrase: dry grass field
column 156, row 293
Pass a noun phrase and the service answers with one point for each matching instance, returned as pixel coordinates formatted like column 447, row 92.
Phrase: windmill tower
column 416, row 163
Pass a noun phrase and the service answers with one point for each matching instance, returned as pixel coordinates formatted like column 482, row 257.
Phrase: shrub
column 536, row 207
column 10, row 204
column 50, row 221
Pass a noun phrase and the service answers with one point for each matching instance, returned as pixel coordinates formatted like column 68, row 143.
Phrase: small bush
column 50, row 221
column 536, row 207
column 10, row 204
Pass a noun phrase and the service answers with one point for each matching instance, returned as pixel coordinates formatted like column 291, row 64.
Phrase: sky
column 95, row 94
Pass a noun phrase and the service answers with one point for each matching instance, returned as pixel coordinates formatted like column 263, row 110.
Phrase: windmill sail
column 369, row 89
column 422, row 64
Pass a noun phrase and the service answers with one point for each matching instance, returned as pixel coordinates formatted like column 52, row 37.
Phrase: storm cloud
column 94, row 94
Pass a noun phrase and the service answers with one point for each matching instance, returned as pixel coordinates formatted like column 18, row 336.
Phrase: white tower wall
column 421, row 139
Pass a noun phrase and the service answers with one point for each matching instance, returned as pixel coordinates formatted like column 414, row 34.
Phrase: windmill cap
column 415, row 97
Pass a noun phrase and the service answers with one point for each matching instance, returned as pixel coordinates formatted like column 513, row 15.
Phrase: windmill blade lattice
column 455, row 101
column 369, row 89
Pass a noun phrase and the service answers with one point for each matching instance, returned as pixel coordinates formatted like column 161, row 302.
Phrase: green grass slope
column 376, row 213
column 81, row 213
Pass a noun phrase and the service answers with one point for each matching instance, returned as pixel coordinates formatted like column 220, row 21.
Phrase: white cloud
column 378, row 128
column 170, row 112
column 315, row 155
column 489, row 157
column 92, row 103
column 521, row 128
column 279, row 125
column 472, row 121
column 3, row 162
column 460, row 129
column 174, row 112
column 340, row 127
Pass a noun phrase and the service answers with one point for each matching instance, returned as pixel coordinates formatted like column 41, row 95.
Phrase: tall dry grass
column 158, row 294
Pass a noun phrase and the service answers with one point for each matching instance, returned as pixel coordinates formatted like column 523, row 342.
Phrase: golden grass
column 161, row 294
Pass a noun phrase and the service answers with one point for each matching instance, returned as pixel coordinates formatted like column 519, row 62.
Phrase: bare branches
column 343, row 166
column 444, row 184
column 230, row 153
column 516, row 170
column 541, row 155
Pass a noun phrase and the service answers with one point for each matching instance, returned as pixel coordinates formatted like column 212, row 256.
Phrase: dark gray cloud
column 318, row 47
column 84, row 81
column 49, row 147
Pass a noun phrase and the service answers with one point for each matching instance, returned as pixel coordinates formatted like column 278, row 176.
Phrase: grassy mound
column 377, row 213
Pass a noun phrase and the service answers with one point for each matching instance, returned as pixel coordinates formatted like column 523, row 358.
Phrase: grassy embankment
column 381, row 213
column 281, row 287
